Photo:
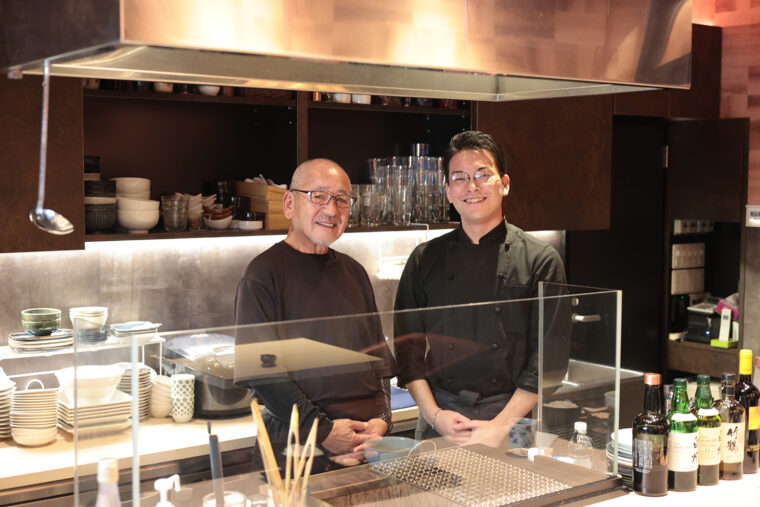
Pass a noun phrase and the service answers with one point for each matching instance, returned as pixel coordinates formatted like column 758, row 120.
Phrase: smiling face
column 313, row 227
column 478, row 200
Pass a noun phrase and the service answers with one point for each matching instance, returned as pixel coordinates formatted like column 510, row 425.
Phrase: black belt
column 471, row 398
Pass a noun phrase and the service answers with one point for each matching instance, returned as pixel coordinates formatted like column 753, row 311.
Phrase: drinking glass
column 174, row 210
column 401, row 195
column 372, row 198
column 354, row 216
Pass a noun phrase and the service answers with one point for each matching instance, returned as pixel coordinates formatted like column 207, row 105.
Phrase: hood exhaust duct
column 460, row 49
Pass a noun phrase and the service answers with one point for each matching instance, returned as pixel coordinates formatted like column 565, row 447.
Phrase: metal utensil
column 46, row 219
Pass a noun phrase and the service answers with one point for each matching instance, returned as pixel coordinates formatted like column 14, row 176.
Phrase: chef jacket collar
column 495, row 236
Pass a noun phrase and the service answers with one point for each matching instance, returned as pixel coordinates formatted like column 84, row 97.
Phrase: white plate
column 97, row 428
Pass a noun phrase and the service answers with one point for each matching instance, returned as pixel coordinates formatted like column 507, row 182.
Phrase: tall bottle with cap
column 749, row 397
column 708, row 420
column 108, row 483
column 650, row 442
column 731, row 430
column 683, row 441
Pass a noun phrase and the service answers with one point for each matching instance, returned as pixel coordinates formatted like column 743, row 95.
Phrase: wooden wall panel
column 20, row 119
column 558, row 159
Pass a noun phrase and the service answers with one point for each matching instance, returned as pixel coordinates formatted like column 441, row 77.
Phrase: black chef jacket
column 489, row 348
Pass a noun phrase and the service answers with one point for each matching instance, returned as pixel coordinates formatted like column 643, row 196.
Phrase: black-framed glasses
column 322, row 198
column 481, row 177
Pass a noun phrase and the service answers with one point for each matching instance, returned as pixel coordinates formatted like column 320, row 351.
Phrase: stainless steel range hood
column 461, row 49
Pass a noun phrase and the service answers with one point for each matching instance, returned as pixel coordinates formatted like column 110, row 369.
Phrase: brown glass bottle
column 731, row 430
column 650, row 442
column 748, row 397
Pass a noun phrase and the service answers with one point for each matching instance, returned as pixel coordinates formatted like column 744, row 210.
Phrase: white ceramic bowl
column 250, row 225
column 95, row 383
column 224, row 223
column 88, row 317
column 361, row 99
column 137, row 220
column 34, row 437
column 131, row 185
column 209, row 89
column 134, row 195
column 163, row 87
column 140, row 204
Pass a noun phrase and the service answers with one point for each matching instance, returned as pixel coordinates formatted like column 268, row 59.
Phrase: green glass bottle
column 708, row 420
column 682, row 441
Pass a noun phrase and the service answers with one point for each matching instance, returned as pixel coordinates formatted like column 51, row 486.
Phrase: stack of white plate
column 134, row 327
column 7, row 387
column 59, row 339
column 33, row 419
column 143, row 385
column 624, row 454
column 161, row 396
column 95, row 418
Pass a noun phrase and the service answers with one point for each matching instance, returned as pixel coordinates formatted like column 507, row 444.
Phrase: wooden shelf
column 389, row 109
column 694, row 357
column 123, row 236
column 188, row 98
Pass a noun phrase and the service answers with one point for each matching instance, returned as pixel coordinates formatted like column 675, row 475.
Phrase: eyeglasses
column 481, row 177
column 322, row 198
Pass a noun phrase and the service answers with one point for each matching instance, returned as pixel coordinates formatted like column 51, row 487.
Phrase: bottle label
column 709, row 446
column 679, row 417
column 649, row 450
column 682, row 451
column 707, row 412
column 731, row 442
column 753, row 418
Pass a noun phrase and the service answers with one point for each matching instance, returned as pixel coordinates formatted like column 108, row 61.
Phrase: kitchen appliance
column 520, row 50
column 703, row 323
column 211, row 359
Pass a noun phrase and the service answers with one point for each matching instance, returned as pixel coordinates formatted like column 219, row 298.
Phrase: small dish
column 209, row 89
column 223, row 223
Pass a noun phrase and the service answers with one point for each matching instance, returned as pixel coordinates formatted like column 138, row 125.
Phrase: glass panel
column 579, row 398
column 495, row 369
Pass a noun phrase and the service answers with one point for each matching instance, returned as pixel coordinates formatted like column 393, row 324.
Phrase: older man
column 303, row 278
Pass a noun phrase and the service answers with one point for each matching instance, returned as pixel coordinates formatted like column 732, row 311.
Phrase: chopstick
column 267, row 455
column 296, row 464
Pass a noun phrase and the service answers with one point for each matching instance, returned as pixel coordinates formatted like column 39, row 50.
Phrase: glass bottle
column 749, row 398
column 708, row 420
column 108, row 483
column 731, row 430
column 581, row 447
column 650, row 442
column 682, row 441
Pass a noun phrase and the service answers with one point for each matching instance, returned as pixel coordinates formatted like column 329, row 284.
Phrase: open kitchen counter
column 160, row 440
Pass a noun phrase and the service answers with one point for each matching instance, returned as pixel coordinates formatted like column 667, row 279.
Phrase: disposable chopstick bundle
column 297, row 464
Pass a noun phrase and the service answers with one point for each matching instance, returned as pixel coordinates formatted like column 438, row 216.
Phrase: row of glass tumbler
column 403, row 190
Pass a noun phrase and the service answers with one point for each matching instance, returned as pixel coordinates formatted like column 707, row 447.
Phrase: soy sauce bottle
column 650, row 442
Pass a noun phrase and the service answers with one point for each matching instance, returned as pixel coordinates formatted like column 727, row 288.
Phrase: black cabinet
column 558, row 160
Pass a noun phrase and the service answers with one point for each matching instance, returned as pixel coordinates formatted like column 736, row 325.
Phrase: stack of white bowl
column 132, row 188
column 143, row 386
column 89, row 323
column 160, row 396
column 137, row 215
column 7, row 387
column 33, row 415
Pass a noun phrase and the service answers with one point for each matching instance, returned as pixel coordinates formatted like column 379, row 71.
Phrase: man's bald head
column 306, row 172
